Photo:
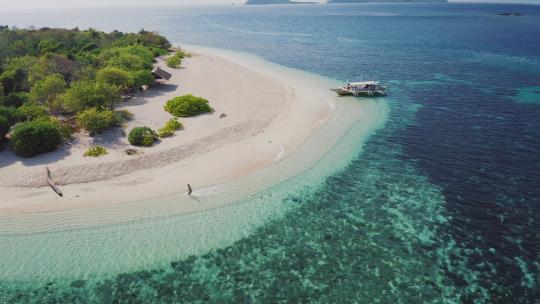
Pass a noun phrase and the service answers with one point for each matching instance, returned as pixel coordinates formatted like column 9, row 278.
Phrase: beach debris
column 189, row 189
column 132, row 151
column 51, row 183
column 223, row 115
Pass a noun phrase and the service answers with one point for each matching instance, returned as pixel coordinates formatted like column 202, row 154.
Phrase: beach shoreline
column 145, row 219
column 267, row 120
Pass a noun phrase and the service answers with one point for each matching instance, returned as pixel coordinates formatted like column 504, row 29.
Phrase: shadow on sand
column 158, row 90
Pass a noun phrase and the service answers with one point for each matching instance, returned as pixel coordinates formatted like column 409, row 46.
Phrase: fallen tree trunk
column 52, row 185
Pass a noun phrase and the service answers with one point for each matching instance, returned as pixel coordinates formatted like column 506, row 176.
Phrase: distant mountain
column 255, row 2
column 375, row 1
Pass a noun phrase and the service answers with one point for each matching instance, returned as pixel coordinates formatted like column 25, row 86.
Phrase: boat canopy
column 363, row 83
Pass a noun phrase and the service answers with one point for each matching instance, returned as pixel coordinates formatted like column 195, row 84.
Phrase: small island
column 261, row 2
column 515, row 14
column 386, row 1
column 112, row 118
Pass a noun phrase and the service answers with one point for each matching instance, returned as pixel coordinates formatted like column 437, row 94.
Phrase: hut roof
column 161, row 74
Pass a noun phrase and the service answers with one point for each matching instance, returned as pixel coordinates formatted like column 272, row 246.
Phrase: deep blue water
column 462, row 142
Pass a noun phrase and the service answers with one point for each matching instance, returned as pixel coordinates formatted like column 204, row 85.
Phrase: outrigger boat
column 364, row 88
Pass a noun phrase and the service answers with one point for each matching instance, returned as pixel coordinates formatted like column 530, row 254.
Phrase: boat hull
column 344, row 92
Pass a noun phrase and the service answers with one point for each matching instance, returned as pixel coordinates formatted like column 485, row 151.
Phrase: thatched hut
column 160, row 75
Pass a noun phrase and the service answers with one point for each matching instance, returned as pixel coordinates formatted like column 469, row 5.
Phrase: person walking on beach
column 189, row 190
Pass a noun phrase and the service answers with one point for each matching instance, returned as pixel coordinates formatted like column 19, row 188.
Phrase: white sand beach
column 284, row 134
column 268, row 117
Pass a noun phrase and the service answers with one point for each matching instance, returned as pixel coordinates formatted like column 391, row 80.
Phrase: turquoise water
column 440, row 205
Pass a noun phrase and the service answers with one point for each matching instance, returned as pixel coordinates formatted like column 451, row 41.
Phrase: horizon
column 27, row 5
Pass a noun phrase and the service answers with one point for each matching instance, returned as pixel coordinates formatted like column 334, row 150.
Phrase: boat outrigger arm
column 364, row 88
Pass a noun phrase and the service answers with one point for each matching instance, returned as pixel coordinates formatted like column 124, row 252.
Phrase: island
column 515, row 14
column 259, row 2
column 90, row 119
column 386, row 1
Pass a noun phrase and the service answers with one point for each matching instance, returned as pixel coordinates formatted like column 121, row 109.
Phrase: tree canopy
column 48, row 72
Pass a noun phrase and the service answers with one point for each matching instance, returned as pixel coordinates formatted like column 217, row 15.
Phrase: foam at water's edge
column 144, row 234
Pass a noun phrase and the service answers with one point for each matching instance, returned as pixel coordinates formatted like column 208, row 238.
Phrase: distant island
column 510, row 14
column 259, row 2
column 385, row 1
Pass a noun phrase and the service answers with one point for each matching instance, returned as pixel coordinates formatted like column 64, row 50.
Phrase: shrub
column 142, row 77
column 175, row 60
column 35, row 137
column 47, row 89
column 31, row 111
column 170, row 127
column 96, row 151
column 142, row 136
column 96, row 120
column 86, row 94
column 163, row 132
column 129, row 62
column 122, row 116
column 16, row 99
column 8, row 117
column 187, row 105
column 65, row 128
column 115, row 76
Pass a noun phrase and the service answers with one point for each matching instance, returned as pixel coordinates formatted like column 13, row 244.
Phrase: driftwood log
column 52, row 185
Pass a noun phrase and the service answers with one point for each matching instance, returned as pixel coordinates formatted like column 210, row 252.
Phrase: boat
column 363, row 88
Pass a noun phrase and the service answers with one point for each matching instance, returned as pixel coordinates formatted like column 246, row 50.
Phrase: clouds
column 40, row 4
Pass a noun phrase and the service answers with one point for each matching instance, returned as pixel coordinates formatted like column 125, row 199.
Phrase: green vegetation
column 122, row 116
column 170, row 128
column 142, row 78
column 35, row 137
column 142, row 136
column 31, row 111
column 8, row 117
column 175, row 60
column 46, row 90
column 187, row 105
column 96, row 120
column 118, row 77
column 86, row 94
column 96, row 151
column 50, row 73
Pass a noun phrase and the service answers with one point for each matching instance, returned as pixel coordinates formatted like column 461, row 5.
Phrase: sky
column 38, row 4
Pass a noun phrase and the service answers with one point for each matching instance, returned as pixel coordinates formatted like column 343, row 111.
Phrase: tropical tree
column 115, row 76
column 85, row 94
column 47, row 90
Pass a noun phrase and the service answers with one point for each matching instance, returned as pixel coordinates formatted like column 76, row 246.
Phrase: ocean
column 440, row 205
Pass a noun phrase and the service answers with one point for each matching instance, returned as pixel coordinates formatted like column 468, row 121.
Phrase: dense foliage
column 187, row 105
column 96, row 120
column 8, row 117
column 35, row 137
column 142, row 136
column 86, row 94
column 96, row 151
column 175, row 60
column 52, row 72
column 31, row 111
column 170, row 128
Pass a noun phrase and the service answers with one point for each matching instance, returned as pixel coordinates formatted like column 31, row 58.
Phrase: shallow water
column 440, row 204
